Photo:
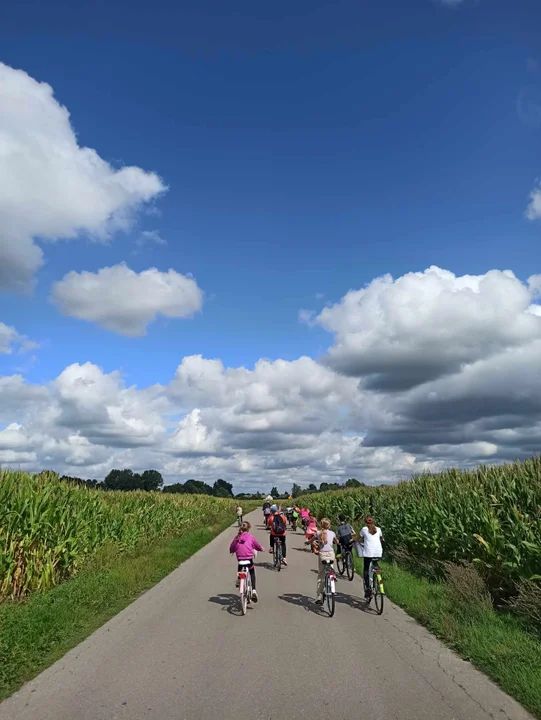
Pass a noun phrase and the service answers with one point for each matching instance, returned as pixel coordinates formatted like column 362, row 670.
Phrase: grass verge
column 36, row 633
column 497, row 643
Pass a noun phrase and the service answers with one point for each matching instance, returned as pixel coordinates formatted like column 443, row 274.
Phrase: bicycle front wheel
column 377, row 594
column 329, row 596
column 350, row 565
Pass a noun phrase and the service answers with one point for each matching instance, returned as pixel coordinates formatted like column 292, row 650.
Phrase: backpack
column 344, row 534
column 278, row 525
column 266, row 506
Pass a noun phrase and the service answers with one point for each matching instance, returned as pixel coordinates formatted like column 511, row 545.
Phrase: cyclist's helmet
column 342, row 517
column 274, row 508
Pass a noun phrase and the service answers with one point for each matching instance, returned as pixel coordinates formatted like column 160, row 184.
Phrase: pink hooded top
column 244, row 546
column 312, row 528
column 305, row 513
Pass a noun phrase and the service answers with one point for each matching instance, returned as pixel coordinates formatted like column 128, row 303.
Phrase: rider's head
column 342, row 517
column 274, row 508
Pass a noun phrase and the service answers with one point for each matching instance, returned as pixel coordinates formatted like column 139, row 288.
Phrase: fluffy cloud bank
column 401, row 333
column 424, row 371
column 124, row 301
column 50, row 187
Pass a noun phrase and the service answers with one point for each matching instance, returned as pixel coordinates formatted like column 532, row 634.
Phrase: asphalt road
column 182, row 651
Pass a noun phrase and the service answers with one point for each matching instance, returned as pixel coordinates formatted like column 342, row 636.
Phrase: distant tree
column 174, row 488
column 274, row 492
column 151, row 480
column 312, row 488
column 122, row 480
column 197, row 487
column 324, row 486
column 296, row 490
column 222, row 489
column 353, row 483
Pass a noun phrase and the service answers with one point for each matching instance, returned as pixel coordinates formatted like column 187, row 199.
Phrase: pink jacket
column 244, row 546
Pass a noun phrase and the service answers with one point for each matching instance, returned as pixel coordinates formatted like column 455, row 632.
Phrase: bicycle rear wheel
column 377, row 594
column 243, row 597
column 350, row 565
column 278, row 556
column 340, row 563
column 329, row 596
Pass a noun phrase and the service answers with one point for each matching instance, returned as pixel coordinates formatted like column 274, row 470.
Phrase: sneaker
column 319, row 601
column 254, row 596
column 271, row 551
column 284, row 562
column 237, row 584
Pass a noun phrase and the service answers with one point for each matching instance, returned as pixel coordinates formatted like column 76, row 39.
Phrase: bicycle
column 345, row 562
column 277, row 555
column 294, row 524
column 376, row 589
column 239, row 520
column 329, row 586
column 245, row 585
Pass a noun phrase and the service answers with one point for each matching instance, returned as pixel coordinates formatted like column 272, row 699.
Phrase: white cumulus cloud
column 121, row 300
column 10, row 338
column 50, row 187
column 404, row 332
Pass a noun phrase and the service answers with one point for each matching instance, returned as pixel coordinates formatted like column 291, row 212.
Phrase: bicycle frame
column 277, row 554
column 375, row 570
column 245, row 584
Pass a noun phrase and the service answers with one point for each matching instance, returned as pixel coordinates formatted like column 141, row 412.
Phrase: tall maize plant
column 48, row 528
column 490, row 516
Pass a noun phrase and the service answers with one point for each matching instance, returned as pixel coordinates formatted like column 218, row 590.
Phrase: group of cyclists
column 327, row 544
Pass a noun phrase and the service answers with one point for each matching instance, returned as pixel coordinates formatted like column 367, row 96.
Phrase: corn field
column 490, row 516
column 49, row 528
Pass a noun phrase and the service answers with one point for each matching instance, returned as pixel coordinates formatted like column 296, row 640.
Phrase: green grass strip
column 497, row 643
column 36, row 633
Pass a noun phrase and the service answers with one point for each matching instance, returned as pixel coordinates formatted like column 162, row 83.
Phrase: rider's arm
column 258, row 546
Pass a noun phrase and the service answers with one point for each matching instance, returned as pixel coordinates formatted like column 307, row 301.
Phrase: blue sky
column 308, row 148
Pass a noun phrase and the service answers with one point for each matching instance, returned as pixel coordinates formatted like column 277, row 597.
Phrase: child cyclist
column 326, row 539
column 277, row 526
column 244, row 545
column 311, row 532
column 344, row 535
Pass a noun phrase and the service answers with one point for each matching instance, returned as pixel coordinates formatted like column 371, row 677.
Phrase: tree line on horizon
column 152, row 480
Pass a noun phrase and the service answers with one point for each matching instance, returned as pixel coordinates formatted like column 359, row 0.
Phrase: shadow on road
column 229, row 602
column 266, row 565
column 303, row 601
column 302, row 549
column 356, row 603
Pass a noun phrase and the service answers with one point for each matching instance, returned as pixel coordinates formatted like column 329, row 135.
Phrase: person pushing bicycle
column 277, row 525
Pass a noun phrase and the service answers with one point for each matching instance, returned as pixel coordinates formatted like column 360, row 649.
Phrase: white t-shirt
column 328, row 547
column 372, row 543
